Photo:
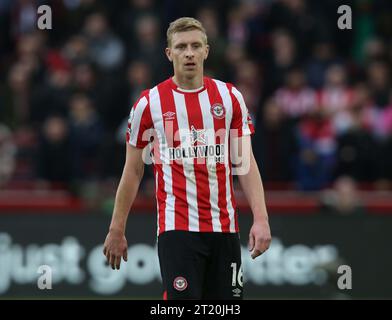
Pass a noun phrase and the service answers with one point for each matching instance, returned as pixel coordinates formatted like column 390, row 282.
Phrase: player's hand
column 259, row 238
column 115, row 248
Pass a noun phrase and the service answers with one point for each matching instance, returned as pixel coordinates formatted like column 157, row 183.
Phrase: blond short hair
column 185, row 24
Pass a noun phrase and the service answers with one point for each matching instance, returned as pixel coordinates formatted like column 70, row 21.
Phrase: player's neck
column 188, row 84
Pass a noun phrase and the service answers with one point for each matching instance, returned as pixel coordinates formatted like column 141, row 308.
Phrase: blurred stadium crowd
column 320, row 97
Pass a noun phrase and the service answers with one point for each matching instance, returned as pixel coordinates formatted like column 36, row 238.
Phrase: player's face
column 188, row 52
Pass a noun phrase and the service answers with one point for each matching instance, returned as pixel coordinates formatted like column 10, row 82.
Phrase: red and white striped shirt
column 192, row 167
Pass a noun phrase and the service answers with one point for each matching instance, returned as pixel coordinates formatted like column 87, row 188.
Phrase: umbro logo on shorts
column 180, row 283
column 236, row 292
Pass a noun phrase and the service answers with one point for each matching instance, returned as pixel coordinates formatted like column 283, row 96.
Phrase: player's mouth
column 190, row 65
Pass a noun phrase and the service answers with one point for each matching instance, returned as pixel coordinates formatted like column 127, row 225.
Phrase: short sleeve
column 139, row 124
column 241, row 119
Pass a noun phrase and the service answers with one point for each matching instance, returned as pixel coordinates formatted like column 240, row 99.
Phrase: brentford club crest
column 218, row 111
column 180, row 284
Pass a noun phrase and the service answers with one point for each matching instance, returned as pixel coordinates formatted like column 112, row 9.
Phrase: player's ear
column 168, row 54
column 206, row 52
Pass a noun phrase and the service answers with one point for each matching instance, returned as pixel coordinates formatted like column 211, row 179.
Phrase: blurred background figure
column 283, row 56
column 323, row 56
column 249, row 82
column 148, row 46
column 296, row 99
column 335, row 97
column 105, row 49
column 7, row 154
column 214, row 65
column 54, row 153
column 85, row 134
column 343, row 199
column 277, row 144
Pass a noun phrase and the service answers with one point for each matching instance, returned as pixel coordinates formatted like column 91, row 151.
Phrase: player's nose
column 189, row 52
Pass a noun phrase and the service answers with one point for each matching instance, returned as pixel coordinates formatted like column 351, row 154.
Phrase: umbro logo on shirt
column 169, row 115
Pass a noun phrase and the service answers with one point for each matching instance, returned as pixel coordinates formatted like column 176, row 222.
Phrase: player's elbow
column 139, row 172
column 133, row 172
column 136, row 172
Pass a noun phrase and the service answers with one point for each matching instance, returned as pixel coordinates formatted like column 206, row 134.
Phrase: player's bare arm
column 115, row 246
column 250, row 180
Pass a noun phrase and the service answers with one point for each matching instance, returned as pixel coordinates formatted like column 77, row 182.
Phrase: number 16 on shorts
column 236, row 275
